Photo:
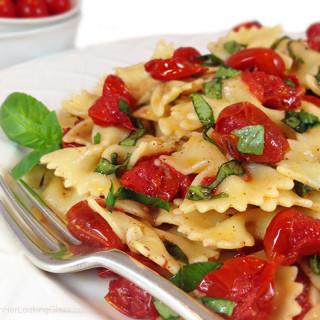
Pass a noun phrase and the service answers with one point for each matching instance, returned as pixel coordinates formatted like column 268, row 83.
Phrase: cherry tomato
column 7, row 9
column 105, row 112
column 313, row 36
column 58, row 6
column 183, row 64
column 312, row 99
column 131, row 300
column 272, row 91
column 264, row 59
column 90, row 228
column 244, row 114
column 157, row 179
column 114, row 85
column 248, row 281
column 247, row 25
column 32, row 8
column 292, row 235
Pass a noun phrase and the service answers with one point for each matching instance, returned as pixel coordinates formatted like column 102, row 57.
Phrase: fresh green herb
column 29, row 123
column 301, row 188
column 227, row 169
column 277, row 43
column 97, row 138
column 289, row 82
column 213, row 88
column 217, row 305
column 176, row 252
column 164, row 311
column 233, row 46
column 210, row 60
column 314, row 263
column 106, row 167
column 301, row 121
column 292, row 54
column 251, row 139
column 126, row 193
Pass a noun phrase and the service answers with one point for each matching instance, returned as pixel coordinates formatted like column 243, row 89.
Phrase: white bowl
column 20, row 24
column 26, row 45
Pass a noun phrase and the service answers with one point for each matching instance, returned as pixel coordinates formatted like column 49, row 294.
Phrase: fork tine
column 45, row 236
column 50, row 215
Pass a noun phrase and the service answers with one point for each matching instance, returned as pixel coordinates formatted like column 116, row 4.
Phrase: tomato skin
column 32, row 8
column 58, row 6
column 183, row 64
column 244, row 114
column 313, row 36
column 247, row 25
column 155, row 178
column 90, row 228
column 248, row 281
column 312, row 99
column 7, row 9
column 264, row 59
column 291, row 235
column 272, row 91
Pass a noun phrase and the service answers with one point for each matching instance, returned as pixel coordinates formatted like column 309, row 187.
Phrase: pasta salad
column 205, row 167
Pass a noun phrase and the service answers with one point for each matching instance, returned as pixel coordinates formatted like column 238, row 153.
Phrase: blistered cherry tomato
column 183, row 64
column 157, row 179
column 247, row 25
column 7, row 9
column 264, row 59
column 313, row 36
column 242, row 114
column 105, row 112
column 58, row 6
column 90, row 228
column 131, row 300
column 292, row 236
column 273, row 91
column 32, row 8
column 247, row 281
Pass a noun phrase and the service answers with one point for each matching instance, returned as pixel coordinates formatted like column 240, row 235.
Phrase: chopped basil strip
column 213, row 88
column 129, row 194
column 164, row 311
column 290, row 83
column 28, row 122
column 210, row 60
column 301, row 121
column 301, row 188
column 189, row 276
column 227, row 169
column 251, row 139
column 277, row 43
column 233, row 46
column 314, row 264
column 176, row 252
column 125, row 107
column 292, row 54
column 217, row 305
column 106, row 167
column 97, row 138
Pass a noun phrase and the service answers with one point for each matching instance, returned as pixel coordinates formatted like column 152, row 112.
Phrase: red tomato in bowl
column 247, row 25
column 32, row 8
column 313, row 36
column 242, row 114
column 7, row 9
column 58, row 6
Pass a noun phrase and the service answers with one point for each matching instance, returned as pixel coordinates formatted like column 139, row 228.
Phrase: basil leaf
column 203, row 110
column 30, row 160
column 233, row 46
column 292, row 54
column 314, row 264
column 97, row 138
column 125, row 107
column 188, row 277
column 227, row 169
column 176, row 252
column 210, row 60
column 129, row 194
column 134, row 135
column 301, row 188
column 111, row 198
column 213, row 88
column 106, row 167
column 301, row 121
column 277, row 42
column 218, row 305
column 290, row 83
column 251, row 139
column 226, row 72
column 164, row 311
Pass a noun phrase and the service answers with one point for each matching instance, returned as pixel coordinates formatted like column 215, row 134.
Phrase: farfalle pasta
column 193, row 158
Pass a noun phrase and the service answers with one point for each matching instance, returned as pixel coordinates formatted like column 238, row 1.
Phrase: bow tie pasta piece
column 253, row 37
column 81, row 133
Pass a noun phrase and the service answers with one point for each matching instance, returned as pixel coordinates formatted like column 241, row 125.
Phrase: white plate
column 26, row 292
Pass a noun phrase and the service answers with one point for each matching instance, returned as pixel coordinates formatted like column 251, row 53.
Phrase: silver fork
column 58, row 259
